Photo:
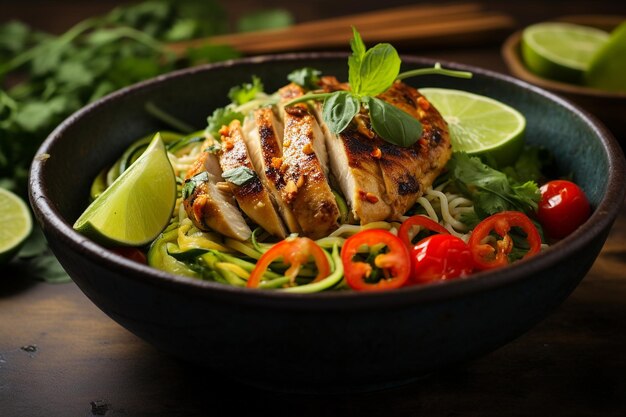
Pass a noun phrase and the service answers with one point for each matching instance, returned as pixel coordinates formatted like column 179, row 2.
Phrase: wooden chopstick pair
column 419, row 25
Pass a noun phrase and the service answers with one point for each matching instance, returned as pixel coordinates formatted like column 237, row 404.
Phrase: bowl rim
column 601, row 219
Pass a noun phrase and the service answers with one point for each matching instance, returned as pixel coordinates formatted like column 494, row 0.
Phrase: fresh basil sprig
column 370, row 73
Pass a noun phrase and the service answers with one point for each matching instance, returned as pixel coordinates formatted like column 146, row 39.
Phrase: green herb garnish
column 239, row 176
column 491, row 190
column 306, row 77
column 370, row 73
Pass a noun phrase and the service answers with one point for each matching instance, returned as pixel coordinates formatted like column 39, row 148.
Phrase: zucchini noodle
column 184, row 249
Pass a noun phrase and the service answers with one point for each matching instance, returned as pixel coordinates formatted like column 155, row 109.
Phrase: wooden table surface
column 61, row 356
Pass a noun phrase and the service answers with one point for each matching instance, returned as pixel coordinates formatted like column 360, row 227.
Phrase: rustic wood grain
column 78, row 362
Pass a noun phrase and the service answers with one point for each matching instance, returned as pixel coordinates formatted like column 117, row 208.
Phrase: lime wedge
column 607, row 70
column 480, row 125
column 15, row 224
column 137, row 206
column 561, row 51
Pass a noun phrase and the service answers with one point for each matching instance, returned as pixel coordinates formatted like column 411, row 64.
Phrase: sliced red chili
column 294, row 252
column 422, row 221
column 395, row 263
column 487, row 256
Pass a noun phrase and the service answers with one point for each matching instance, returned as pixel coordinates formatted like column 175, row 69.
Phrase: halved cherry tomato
column 422, row 221
column 487, row 256
column 395, row 263
column 440, row 257
column 133, row 254
column 562, row 208
column 295, row 253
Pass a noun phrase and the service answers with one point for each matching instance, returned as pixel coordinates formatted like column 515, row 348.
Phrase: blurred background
column 57, row 16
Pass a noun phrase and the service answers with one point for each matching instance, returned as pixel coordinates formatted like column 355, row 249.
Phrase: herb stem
column 64, row 39
column 437, row 69
column 307, row 97
column 167, row 118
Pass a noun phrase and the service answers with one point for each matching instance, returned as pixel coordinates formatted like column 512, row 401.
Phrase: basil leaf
column 239, row 176
column 392, row 124
column 339, row 110
column 354, row 62
column 379, row 68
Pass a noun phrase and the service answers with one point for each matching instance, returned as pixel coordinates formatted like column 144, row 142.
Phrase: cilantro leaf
column 306, row 77
column 239, row 176
column 221, row 116
column 246, row 92
column 190, row 185
column 491, row 190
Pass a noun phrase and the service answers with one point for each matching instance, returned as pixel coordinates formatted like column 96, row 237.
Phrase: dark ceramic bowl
column 327, row 341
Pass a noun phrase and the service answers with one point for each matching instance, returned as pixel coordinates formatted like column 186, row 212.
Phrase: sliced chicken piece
column 304, row 164
column 404, row 172
column 252, row 196
column 407, row 172
column 207, row 206
column 354, row 165
column 263, row 134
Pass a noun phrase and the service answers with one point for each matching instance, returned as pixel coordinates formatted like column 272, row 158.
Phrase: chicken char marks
column 296, row 158
column 380, row 180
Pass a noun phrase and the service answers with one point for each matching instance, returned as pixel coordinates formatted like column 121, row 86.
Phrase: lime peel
column 15, row 224
column 480, row 125
column 561, row 51
column 137, row 206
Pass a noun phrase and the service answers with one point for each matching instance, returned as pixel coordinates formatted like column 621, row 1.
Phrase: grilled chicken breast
column 407, row 172
column 381, row 180
column 304, row 164
column 252, row 196
column 294, row 159
column 354, row 165
column 263, row 133
column 207, row 207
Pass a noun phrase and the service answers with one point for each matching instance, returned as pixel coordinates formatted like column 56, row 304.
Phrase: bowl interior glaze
column 318, row 340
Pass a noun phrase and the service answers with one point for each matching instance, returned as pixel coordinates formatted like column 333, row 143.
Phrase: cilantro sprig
column 492, row 191
column 370, row 73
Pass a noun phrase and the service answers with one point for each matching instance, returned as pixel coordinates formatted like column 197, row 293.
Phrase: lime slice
column 480, row 125
column 561, row 51
column 15, row 224
column 137, row 206
column 607, row 70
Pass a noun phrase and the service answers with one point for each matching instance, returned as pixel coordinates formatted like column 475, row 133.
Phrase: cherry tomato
column 295, row 253
column 133, row 254
column 487, row 256
column 395, row 263
column 562, row 209
column 440, row 257
column 422, row 221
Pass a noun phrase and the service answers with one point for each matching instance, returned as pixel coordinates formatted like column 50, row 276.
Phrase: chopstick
column 429, row 24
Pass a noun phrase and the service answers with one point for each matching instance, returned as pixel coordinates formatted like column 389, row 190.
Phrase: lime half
column 561, row 51
column 15, row 224
column 480, row 125
column 137, row 206
column 607, row 70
